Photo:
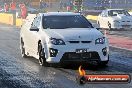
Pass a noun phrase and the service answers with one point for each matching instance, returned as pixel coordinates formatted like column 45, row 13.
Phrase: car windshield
column 63, row 22
column 113, row 12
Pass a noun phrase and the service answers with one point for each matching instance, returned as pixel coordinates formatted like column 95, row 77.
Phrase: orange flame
column 81, row 71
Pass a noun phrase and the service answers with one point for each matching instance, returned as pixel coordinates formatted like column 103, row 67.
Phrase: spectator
column 6, row 7
column 23, row 11
column 68, row 8
column 41, row 4
column 13, row 6
column 19, row 10
column 61, row 5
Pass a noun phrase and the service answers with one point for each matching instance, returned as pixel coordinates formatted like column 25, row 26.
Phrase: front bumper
column 122, row 25
column 67, row 53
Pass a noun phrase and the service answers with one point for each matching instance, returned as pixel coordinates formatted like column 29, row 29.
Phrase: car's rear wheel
column 42, row 59
column 23, row 49
column 98, row 24
column 109, row 25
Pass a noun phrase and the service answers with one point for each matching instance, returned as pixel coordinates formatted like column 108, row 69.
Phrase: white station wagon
column 59, row 37
column 115, row 19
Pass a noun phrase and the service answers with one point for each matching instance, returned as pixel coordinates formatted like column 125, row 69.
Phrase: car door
column 103, row 19
column 25, row 33
column 100, row 19
column 34, row 36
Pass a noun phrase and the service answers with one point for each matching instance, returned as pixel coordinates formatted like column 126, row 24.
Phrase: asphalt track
column 17, row 72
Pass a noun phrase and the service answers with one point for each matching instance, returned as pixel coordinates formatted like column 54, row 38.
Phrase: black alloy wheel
column 23, row 49
column 42, row 59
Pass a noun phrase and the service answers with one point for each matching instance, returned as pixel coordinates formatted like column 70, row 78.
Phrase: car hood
column 74, row 34
column 122, row 17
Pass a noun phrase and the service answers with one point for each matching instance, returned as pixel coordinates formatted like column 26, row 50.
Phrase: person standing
column 13, row 6
column 23, row 11
column 6, row 7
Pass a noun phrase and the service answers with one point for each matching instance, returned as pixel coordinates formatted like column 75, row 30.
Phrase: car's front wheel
column 23, row 49
column 103, row 63
column 42, row 59
column 109, row 25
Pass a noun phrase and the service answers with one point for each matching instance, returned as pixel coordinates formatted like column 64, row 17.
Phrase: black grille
column 86, row 41
column 74, row 41
column 73, row 56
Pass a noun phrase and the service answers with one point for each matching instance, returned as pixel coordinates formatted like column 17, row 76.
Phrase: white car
column 115, row 19
column 59, row 37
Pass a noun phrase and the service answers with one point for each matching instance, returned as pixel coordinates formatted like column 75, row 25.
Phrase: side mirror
column 34, row 29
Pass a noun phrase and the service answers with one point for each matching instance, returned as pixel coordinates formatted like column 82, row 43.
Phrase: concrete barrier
column 19, row 22
column 11, row 19
column 6, row 18
column 92, row 17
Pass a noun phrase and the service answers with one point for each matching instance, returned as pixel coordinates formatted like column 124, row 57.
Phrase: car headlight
column 57, row 41
column 100, row 40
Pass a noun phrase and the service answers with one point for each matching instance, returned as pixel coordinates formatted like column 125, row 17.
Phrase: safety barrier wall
column 11, row 19
column 19, row 22
column 6, row 18
column 92, row 17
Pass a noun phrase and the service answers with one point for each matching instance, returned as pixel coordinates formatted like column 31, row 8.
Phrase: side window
column 109, row 14
column 38, row 21
column 34, row 22
column 104, row 13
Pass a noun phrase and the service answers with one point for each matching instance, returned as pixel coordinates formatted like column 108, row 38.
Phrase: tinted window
column 113, row 12
column 62, row 22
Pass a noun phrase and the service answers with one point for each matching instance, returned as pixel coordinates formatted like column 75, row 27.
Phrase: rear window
column 63, row 22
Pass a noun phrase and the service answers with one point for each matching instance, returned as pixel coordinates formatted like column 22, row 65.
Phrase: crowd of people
column 24, row 8
column 11, row 7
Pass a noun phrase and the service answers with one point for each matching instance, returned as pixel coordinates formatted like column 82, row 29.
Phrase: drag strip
column 17, row 72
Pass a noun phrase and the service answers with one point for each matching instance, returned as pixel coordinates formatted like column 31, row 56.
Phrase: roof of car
column 59, row 13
